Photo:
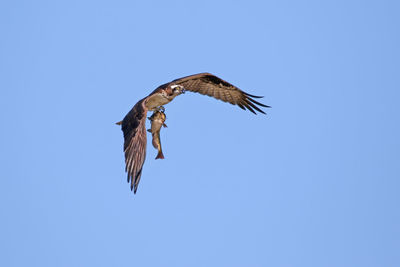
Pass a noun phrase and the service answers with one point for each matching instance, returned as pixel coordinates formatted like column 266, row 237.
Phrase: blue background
column 313, row 183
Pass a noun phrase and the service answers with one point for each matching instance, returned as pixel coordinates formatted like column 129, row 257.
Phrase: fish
column 157, row 121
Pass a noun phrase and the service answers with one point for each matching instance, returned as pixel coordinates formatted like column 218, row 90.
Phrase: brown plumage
column 134, row 129
column 211, row 85
column 134, row 123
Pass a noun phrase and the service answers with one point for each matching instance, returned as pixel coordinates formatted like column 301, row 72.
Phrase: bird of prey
column 134, row 123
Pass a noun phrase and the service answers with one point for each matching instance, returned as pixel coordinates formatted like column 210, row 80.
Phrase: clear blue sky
column 313, row 183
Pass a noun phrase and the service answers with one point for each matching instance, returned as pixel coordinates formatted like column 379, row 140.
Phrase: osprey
column 134, row 123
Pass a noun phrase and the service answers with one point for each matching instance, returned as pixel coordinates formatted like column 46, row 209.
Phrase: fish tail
column 160, row 155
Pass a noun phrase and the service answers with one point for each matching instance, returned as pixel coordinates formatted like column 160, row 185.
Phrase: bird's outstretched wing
column 211, row 85
column 135, row 139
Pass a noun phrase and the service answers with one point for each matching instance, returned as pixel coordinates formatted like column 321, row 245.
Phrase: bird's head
column 177, row 89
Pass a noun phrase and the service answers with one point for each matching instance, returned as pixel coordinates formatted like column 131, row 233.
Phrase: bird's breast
column 156, row 100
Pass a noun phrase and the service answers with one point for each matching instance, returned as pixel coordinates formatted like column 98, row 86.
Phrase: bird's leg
column 155, row 110
column 161, row 109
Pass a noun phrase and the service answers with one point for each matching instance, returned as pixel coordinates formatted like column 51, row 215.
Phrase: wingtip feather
column 255, row 107
column 257, row 103
column 255, row 96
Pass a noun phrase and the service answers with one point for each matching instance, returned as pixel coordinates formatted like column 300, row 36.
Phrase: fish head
column 158, row 115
